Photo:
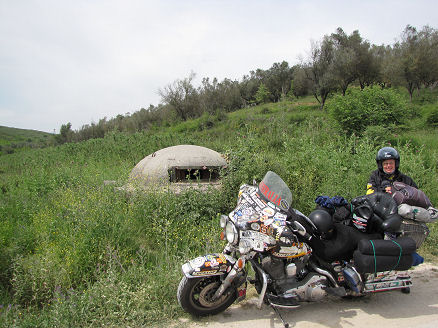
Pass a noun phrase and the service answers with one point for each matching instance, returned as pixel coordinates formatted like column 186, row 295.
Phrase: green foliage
column 74, row 252
column 432, row 118
column 65, row 134
column 379, row 134
column 373, row 106
column 262, row 95
column 14, row 140
column 426, row 96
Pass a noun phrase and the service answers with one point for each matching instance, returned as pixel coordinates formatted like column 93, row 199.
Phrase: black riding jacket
column 379, row 180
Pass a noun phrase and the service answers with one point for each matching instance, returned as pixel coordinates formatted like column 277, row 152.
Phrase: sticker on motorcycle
column 268, row 221
column 201, row 273
column 197, row 262
column 280, row 216
column 248, row 198
column 279, row 223
column 255, row 235
column 248, row 211
column 268, row 211
column 258, row 201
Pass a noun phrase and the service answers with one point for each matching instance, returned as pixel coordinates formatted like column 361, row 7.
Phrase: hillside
column 74, row 252
column 13, row 139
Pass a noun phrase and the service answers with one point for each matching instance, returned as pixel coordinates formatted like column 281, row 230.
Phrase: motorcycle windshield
column 273, row 189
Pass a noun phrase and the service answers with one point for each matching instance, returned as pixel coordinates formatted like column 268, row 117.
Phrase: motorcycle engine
column 312, row 288
column 291, row 277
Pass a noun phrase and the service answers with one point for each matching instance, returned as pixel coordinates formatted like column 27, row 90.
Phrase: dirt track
column 418, row 309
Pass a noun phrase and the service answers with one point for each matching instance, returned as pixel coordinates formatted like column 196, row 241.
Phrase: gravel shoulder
column 388, row 309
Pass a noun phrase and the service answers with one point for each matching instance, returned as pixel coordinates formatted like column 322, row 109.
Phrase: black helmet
column 324, row 222
column 387, row 153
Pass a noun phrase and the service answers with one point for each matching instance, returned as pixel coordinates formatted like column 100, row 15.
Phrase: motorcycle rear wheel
column 195, row 296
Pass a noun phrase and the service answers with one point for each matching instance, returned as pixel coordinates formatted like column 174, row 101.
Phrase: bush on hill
column 373, row 106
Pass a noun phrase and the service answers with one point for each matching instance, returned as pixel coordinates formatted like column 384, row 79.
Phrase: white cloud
column 78, row 61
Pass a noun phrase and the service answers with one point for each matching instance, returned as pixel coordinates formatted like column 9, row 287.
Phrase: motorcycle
column 291, row 258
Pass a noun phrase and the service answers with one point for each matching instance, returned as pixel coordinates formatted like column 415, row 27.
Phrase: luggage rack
column 418, row 231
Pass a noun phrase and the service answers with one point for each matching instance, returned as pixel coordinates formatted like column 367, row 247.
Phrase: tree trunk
column 410, row 88
column 323, row 99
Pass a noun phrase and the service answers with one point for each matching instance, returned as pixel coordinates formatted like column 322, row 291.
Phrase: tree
column 320, row 70
column 262, row 95
column 65, row 134
column 183, row 97
column 301, row 84
column 353, row 60
column 345, row 58
column 248, row 88
column 277, row 79
column 417, row 57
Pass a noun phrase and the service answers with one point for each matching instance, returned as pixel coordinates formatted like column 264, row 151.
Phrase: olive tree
column 320, row 70
column 183, row 97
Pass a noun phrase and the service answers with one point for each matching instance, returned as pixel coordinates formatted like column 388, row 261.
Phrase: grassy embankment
column 13, row 140
column 75, row 253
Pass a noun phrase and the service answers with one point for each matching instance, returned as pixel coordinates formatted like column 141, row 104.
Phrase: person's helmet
column 323, row 222
column 387, row 153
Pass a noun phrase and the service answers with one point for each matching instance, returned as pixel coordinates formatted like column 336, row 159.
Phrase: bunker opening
column 194, row 174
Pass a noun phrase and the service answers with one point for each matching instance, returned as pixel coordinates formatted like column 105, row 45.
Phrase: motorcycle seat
column 343, row 243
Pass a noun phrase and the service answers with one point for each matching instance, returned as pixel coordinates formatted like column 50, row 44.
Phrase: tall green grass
column 74, row 252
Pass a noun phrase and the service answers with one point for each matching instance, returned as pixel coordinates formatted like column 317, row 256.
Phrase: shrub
column 377, row 133
column 432, row 118
column 265, row 110
column 358, row 109
column 425, row 96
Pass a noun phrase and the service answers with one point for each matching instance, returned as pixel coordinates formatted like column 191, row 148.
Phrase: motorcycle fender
column 208, row 265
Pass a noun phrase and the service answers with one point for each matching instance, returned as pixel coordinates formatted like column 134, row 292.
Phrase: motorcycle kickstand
column 285, row 324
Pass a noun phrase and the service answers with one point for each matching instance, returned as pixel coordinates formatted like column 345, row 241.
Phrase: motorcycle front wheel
column 195, row 296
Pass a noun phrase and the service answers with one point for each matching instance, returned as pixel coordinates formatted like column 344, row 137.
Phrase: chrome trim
column 225, row 284
column 223, row 221
column 306, row 218
column 186, row 269
column 372, row 287
column 265, row 279
column 325, row 273
column 233, row 231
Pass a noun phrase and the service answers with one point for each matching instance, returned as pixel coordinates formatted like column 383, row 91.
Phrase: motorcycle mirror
column 254, row 182
column 299, row 228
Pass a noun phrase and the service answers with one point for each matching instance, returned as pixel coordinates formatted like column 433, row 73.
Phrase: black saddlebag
column 387, row 247
column 384, row 255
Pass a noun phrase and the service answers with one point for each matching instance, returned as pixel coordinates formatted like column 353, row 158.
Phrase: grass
column 74, row 252
column 13, row 140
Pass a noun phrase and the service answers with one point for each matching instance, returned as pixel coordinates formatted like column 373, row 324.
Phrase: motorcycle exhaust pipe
column 324, row 273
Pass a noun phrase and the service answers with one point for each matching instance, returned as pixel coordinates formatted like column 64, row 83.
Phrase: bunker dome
column 178, row 166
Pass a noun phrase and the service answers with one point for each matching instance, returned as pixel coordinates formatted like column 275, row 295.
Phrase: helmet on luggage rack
column 387, row 153
column 323, row 222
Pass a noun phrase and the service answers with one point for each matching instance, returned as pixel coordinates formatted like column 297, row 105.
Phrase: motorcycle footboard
column 380, row 286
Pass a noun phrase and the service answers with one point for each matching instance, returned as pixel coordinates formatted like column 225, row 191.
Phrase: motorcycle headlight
column 223, row 220
column 244, row 247
column 231, row 233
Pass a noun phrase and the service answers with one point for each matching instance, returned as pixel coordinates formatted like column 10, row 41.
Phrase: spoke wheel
column 196, row 296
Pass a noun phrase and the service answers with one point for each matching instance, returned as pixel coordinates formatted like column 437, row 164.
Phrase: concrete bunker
column 179, row 167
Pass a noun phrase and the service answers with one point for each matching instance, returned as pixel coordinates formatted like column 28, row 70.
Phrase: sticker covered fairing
column 264, row 224
column 210, row 264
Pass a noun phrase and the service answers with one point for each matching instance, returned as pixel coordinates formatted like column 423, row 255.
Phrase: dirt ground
column 418, row 309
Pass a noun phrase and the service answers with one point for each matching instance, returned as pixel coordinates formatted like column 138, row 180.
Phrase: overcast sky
column 81, row 60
